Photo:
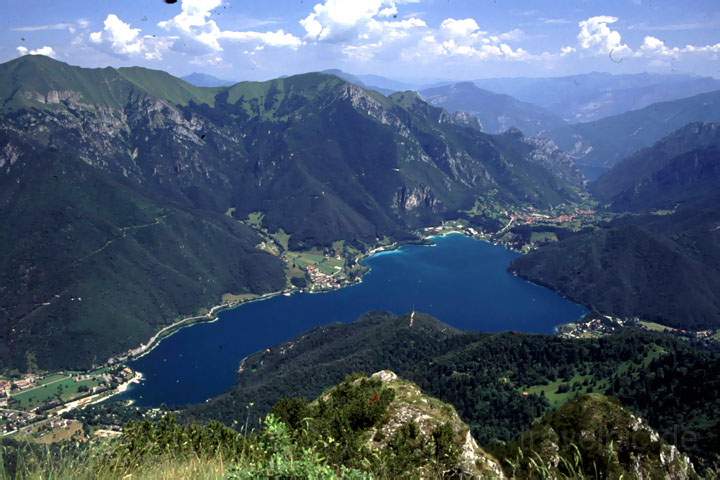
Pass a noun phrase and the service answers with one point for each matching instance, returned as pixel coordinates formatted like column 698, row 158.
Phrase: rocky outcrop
column 546, row 153
column 414, row 198
column 410, row 405
column 596, row 434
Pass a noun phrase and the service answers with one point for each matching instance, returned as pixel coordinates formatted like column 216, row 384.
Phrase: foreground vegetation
column 324, row 439
column 366, row 427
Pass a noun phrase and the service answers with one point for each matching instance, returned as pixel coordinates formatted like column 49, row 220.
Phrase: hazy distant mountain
column 383, row 85
column 496, row 112
column 356, row 80
column 127, row 185
column 387, row 83
column 205, row 80
column 588, row 97
column 605, row 142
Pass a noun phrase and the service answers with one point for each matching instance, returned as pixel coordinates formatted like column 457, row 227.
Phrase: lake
column 461, row 281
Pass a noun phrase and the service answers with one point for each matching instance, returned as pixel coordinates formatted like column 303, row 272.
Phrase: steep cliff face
column 420, row 197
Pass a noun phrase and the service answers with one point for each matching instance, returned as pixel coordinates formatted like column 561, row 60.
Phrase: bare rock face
column 408, row 199
column 9, row 154
column 428, row 413
column 466, row 119
column 546, row 153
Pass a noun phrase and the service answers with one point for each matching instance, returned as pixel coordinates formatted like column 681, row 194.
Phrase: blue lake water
column 461, row 281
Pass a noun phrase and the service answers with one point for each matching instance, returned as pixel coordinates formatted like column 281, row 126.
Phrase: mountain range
column 377, row 83
column 130, row 199
column 495, row 112
column 141, row 172
column 592, row 96
column 603, row 143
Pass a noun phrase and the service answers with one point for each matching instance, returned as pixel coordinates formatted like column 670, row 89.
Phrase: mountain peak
column 36, row 59
column 496, row 112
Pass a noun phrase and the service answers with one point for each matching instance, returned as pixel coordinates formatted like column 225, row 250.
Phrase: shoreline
column 425, row 237
column 213, row 313
column 169, row 330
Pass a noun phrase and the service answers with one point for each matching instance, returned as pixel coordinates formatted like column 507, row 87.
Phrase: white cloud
column 363, row 29
column 567, row 50
column 460, row 28
column 676, row 27
column 72, row 27
column 464, row 38
column 46, row 50
column 40, row 28
column 556, row 21
column 513, row 35
column 194, row 22
column 278, row 38
column 596, row 35
column 654, row 47
column 122, row 39
column 212, row 59
column 345, row 20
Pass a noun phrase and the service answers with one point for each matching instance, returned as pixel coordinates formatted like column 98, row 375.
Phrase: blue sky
column 404, row 39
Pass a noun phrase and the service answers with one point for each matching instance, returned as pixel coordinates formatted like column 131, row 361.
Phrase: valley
column 193, row 261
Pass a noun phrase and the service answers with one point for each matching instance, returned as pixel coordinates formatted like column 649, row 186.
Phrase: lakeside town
column 36, row 400
column 595, row 325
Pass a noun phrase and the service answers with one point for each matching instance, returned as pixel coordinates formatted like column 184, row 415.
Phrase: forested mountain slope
column 662, row 261
column 366, row 427
column 682, row 168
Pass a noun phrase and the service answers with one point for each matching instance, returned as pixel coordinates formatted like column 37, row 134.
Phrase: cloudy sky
column 404, row 39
